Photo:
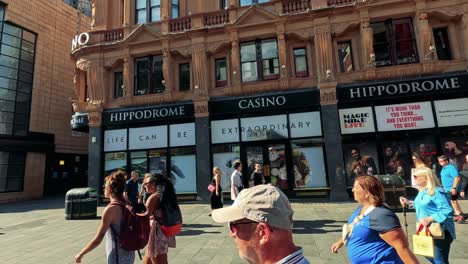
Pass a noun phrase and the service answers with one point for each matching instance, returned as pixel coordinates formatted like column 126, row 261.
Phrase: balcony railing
column 216, row 18
column 340, row 2
column 180, row 24
column 295, row 6
column 106, row 35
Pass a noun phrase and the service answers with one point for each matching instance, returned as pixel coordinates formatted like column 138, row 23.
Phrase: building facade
column 38, row 152
column 317, row 92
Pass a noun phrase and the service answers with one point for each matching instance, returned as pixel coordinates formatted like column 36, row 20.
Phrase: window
column 442, row 43
column 345, row 56
column 175, row 9
column 149, row 75
column 300, row 62
column 12, row 171
column 84, row 6
column 118, row 83
column 147, row 11
column 184, row 77
column 394, row 42
column 17, row 53
column 259, row 60
column 251, row 2
column 221, row 72
column 223, row 4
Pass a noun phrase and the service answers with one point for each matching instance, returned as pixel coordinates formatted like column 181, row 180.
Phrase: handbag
column 436, row 230
column 423, row 244
column 211, row 187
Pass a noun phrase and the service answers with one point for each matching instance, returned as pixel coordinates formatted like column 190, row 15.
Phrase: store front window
column 308, row 164
column 224, row 156
column 114, row 161
column 361, row 158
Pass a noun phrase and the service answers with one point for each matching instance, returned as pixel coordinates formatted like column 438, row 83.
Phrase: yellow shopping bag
column 423, row 244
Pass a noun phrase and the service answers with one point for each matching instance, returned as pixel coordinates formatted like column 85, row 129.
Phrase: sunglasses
column 416, row 176
column 232, row 225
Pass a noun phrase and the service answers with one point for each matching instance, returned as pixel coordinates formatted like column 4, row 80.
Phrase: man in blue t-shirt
column 131, row 189
column 451, row 182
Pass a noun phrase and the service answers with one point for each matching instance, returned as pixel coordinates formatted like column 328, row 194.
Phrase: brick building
column 317, row 92
column 38, row 152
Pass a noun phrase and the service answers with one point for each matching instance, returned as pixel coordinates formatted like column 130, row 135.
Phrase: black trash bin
column 394, row 187
column 81, row 203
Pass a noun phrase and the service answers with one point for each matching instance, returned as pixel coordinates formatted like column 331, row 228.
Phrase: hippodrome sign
column 80, row 40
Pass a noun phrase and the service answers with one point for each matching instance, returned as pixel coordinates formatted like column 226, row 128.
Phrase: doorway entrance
column 274, row 159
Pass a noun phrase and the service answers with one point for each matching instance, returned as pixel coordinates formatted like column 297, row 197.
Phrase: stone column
column 199, row 70
column 333, row 144
column 126, row 77
column 127, row 13
column 464, row 32
column 95, row 148
column 367, row 39
column 323, row 50
column 202, row 137
column 425, row 37
column 282, row 51
column 97, row 86
column 167, row 64
column 235, row 59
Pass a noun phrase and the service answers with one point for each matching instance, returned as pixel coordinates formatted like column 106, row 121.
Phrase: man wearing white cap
column 260, row 221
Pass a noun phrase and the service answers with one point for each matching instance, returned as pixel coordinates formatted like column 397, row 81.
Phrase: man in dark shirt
column 131, row 189
column 256, row 178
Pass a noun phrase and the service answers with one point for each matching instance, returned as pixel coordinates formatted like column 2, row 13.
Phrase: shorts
column 454, row 197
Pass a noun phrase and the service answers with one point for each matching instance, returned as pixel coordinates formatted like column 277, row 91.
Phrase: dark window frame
column 391, row 42
column 253, row 2
column 184, row 86
column 173, row 5
column 118, row 83
column 150, row 73
column 22, row 82
column 10, row 165
column 220, row 83
column 340, row 59
column 437, row 42
column 223, row 4
column 259, row 60
column 301, row 73
column 148, row 7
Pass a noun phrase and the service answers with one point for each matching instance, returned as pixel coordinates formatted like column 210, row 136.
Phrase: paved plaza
column 37, row 232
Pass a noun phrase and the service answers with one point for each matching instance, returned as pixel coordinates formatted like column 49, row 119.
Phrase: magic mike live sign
column 419, row 86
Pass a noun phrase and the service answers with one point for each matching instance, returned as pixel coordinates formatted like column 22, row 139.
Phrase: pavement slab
column 37, row 232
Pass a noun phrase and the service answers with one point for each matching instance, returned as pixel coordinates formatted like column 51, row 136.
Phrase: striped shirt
column 295, row 258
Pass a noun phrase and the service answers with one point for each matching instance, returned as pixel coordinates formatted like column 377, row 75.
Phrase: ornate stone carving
column 327, row 96
column 341, row 28
column 422, row 15
column 321, row 29
column 201, row 108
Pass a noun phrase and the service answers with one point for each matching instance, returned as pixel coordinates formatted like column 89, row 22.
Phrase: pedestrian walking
column 256, row 178
column 260, row 221
column 237, row 183
column 110, row 223
column 373, row 233
column 216, row 194
column 131, row 193
column 432, row 206
column 451, row 181
column 161, row 191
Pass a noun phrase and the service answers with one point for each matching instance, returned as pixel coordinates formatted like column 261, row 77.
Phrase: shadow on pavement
column 46, row 203
column 197, row 229
column 316, row 227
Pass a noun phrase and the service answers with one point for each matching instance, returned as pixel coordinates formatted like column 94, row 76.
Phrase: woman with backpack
column 110, row 223
column 162, row 194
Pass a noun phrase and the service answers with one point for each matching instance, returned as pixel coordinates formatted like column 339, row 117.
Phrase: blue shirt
column 448, row 175
column 436, row 206
column 365, row 244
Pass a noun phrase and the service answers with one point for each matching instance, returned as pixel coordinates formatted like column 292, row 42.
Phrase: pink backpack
column 134, row 229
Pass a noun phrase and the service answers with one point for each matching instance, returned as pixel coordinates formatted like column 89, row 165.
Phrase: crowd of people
column 157, row 190
column 261, row 218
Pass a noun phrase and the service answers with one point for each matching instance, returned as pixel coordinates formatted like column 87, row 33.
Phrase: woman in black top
column 216, row 200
